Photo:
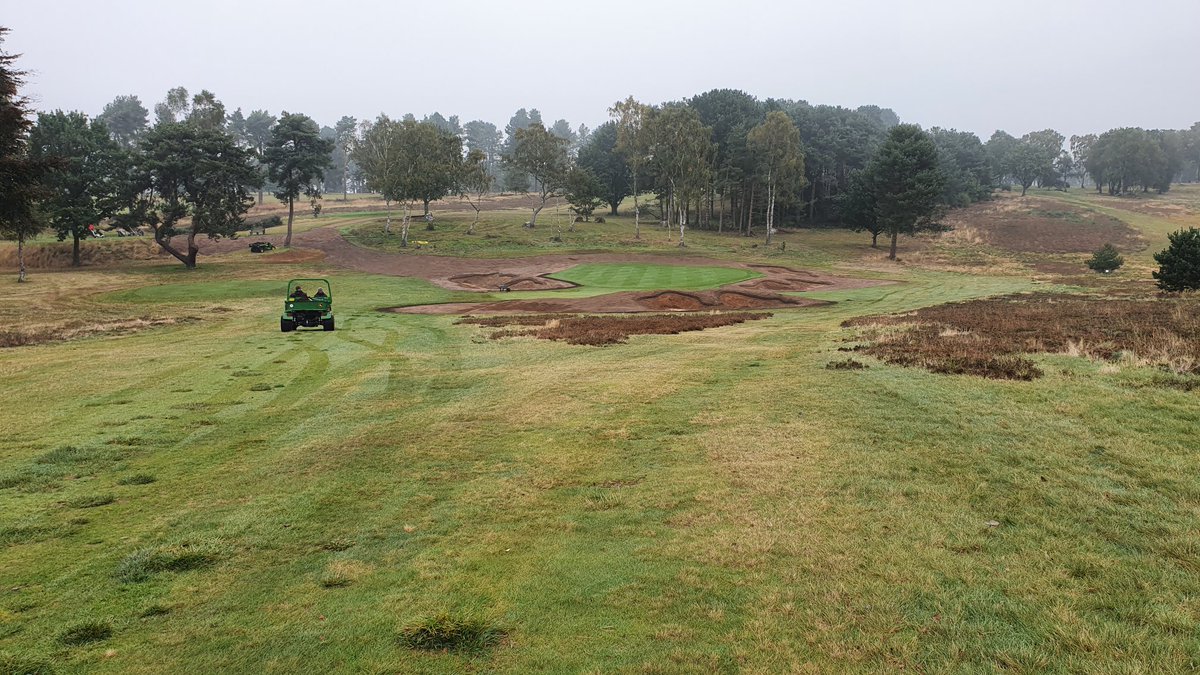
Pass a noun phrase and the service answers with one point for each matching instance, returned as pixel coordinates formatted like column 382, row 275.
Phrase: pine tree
column 1179, row 264
column 1106, row 259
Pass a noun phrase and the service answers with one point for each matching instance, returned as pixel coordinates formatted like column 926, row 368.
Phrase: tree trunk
column 770, row 207
column 637, row 222
column 20, row 258
column 875, row 239
column 404, row 228
column 750, row 215
column 426, row 208
column 287, row 241
column 260, row 196
column 190, row 262
column 387, row 226
column 1024, row 187
column 471, row 229
column 536, row 210
column 345, row 175
column 892, row 254
column 75, row 261
column 614, row 206
column 721, row 216
column 682, row 225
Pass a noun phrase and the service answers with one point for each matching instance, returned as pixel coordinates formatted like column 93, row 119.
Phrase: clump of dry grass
column 609, row 328
column 20, row 337
column 989, row 337
column 341, row 573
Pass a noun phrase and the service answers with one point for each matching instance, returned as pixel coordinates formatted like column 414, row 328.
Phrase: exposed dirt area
column 333, row 204
column 606, row 330
column 1036, row 225
column 295, row 255
column 989, row 337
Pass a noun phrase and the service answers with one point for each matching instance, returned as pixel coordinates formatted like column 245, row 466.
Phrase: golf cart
column 261, row 247
column 310, row 307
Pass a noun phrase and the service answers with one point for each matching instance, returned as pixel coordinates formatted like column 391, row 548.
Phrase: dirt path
column 489, row 274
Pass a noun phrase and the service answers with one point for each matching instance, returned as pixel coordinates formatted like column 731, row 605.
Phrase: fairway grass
column 646, row 277
column 406, row 495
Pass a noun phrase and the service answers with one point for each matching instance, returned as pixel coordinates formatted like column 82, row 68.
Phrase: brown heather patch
column 1039, row 226
column 989, row 337
column 607, row 329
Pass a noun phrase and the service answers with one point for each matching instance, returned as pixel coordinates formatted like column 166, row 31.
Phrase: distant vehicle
column 261, row 247
column 311, row 310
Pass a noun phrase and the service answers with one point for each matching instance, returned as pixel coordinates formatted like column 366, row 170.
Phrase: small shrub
column 446, row 631
column 1106, row 260
column 91, row 501
column 85, row 632
column 136, row 479
column 1179, row 263
column 23, row 665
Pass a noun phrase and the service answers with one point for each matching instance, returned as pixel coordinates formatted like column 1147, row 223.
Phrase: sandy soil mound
column 674, row 300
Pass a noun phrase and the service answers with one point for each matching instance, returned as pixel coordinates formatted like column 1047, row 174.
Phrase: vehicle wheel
column 287, row 325
column 327, row 324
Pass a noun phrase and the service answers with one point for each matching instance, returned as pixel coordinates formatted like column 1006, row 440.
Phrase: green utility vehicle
column 310, row 307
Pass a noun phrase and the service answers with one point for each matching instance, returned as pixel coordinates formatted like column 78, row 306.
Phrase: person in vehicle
column 320, row 293
column 299, row 295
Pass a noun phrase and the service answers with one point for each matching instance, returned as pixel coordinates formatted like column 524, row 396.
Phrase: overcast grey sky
column 1019, row 65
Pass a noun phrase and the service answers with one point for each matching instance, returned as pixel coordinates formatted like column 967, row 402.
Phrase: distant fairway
column 645, row 277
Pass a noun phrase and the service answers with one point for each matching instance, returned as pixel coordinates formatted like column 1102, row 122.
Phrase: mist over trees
column 722, row 160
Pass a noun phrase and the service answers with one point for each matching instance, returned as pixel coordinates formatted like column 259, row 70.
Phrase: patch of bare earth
column 1033, row 225
column 607, row 329
column 991, row 337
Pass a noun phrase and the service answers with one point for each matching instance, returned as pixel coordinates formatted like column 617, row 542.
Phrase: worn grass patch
column 181, row 557
column 341, row 573
column 607, row 329
column 989, row 337
column 450, row 632
column 14, row 664
column 86, row 632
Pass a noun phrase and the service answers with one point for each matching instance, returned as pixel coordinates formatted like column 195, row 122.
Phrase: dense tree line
column 722, row 160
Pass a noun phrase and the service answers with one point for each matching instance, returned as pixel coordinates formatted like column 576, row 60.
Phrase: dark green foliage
column 451, row 632
column 1106, row 259
column 963, row 160
column 21, row 177
column 1127, row 158
column 1179, row 263
column 906, row 182
column 125, row 118
column 599, row 155
column 296, row 157
column 199, row 173
column 136, row 479
column 583, row 191
column 80, row 190
column 85, row 632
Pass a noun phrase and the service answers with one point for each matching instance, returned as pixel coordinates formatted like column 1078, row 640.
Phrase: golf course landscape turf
column 183, row 488
column 637, row 277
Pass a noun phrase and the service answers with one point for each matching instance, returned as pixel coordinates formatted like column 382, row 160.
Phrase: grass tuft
column 450, row 632
column 136, row 479
column 846, row 364
column 189, row 555
column 12, row 664
column 154, row 610
column 91, row 501
column 86, row 632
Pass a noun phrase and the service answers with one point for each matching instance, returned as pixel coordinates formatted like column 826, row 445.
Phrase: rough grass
column 451, row 632
column 988, row 337
column 187, row 555
column 607, row 329
column 86, row 632
column 90, row 501
column 136, row 479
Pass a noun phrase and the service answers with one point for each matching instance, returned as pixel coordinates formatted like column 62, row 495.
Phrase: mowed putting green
column 646, row 277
